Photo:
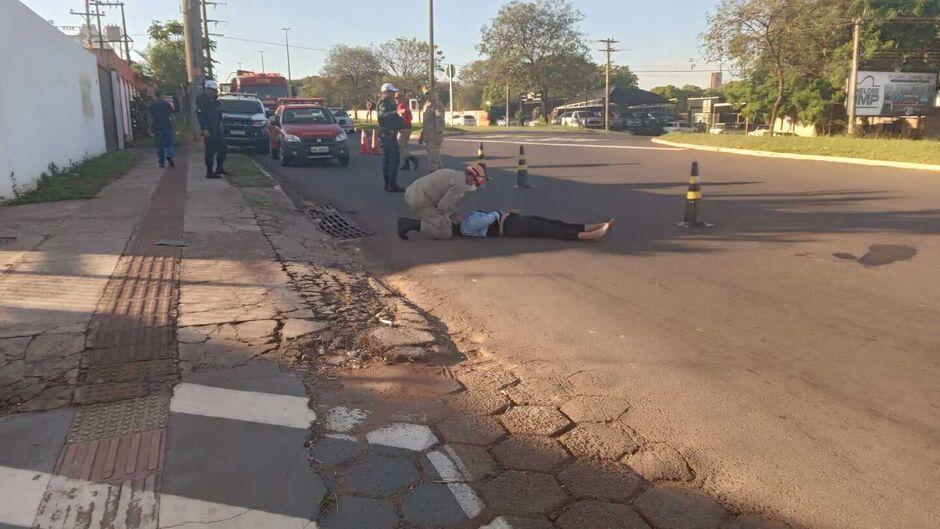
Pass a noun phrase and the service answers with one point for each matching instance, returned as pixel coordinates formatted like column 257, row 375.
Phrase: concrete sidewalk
column 206, row 356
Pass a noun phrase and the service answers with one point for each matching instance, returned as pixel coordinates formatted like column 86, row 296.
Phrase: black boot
column 414, row 161
column 220, row 171
column 210, row 174
column 395, row 188
column 406, row 225
column 405, row 166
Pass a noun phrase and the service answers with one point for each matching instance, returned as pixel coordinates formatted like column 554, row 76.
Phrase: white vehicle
column 678, row 126
column 343, row 120
column 761, row 130
column 501, row 122
column 583, row 118
column 718, row 128
column 560, row 118
column 466, row 120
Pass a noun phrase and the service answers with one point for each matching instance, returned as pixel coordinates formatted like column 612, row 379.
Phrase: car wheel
column 344, row 160
column 285, row 161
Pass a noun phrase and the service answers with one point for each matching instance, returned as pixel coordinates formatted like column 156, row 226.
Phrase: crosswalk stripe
column 249, row 406
column 21, row 492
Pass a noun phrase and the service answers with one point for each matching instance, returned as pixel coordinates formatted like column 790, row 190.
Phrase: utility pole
column 100, row 33
column 205, row 42
column 853, row 75
column 262, row 60
column 451, row 72
column 608, row 49
column 431, row 51
column 88, row 25
column 126, row 39
column 192, row 39
column 290, row 89
column 507, row 104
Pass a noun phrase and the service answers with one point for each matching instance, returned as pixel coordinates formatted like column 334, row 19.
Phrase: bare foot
column 595, row 234
column 592, row 227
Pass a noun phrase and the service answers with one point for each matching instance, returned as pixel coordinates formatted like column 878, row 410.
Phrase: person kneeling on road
column 433, row 198
column 514, row 224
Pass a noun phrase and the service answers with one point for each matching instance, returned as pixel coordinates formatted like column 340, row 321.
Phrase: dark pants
column 215, row 152
column 533, row 226
column 164, row 141
column 391, row 157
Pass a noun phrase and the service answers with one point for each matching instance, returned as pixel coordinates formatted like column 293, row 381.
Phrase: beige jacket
column 440, row 189
column 432, row 128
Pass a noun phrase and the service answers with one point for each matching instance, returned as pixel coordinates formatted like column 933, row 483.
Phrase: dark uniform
column 209, row 112
column 389, row 125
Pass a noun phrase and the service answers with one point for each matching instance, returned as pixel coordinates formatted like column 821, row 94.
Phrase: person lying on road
column 514, row 224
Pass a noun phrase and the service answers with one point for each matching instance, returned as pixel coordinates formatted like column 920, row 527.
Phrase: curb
column 807, row 157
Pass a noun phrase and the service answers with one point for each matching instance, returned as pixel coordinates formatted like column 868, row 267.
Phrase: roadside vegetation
column 243, row 172
column 82, row 180
column 896, row 150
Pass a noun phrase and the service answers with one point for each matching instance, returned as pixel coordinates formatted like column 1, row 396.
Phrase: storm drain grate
column 334, row 224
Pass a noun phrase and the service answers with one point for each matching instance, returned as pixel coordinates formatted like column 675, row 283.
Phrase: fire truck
column 267, row 86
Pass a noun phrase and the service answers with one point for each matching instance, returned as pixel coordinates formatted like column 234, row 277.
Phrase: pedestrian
column 432, row 130
column 389, row 125
column 209, row 113
column 161, row 125
column 404, row 135
column 433, row 198
column 370, row 106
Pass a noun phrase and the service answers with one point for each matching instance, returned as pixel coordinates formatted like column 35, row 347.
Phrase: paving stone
column 294, row 328
column 459, row 463
column 478, row 402
column 754, row 521
column 486, row 379
column 514, row 491
column 251, row 331
column 333, row 449
column 352, row 512
column 343, row 419
column 433, row 505
column 406, row 353
column 600, row 480
column 471, row 430
column 539, row 392
column 538, row 420
column 598, row 441
column 660, row 462
column 674, row 507
column 530, row 452
column 382, row 338
column 518, row 522
column 379, row 476
column 414, row 437
column 595, row 409
column 597, row 515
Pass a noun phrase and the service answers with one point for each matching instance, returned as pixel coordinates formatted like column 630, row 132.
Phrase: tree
column 472, row 81
column 537, row 45
column 406, row 61
column 357, row 69
column 620, row 77
column 164, row 60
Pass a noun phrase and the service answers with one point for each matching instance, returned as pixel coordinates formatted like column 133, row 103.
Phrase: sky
column 657, row 38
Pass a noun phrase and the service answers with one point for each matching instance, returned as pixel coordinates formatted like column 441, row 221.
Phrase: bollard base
column 518, row 186
column 698, row 224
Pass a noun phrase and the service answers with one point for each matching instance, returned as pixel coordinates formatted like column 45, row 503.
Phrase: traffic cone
column 522, row 174
column 481, row 157
column 375, row 143
column 692, row 198
column 363, row 143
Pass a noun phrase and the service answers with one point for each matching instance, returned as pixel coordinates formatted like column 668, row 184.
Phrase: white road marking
column 179, row 512
column 466, row 498
column 21, row 492
column 414, row 437
column 72, row 503
column 592, row 146
column 459, row 462
column 498, row 523
column 250, row 406
column 343, row 419
column 446, row 468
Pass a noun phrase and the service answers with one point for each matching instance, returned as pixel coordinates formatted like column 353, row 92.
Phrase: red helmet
column 476, row 171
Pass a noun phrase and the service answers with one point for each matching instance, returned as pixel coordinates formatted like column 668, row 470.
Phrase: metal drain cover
column 334, row 224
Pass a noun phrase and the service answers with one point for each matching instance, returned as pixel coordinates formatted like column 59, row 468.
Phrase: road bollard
column 375, row 143
column 692, row 198
column 481, row 157
column 522, row 174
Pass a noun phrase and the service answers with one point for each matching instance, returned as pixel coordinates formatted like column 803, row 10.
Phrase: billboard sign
column 895, row 94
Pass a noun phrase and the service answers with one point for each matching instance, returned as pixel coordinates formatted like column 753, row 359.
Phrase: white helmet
column 388, row 87
column 212, row 84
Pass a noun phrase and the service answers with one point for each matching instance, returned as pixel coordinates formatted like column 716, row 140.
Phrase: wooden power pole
column 192, row 39
column 608, row 49
column 853, row 76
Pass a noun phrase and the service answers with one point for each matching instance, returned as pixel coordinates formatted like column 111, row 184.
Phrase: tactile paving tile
column 114, row 458
column 112, row 392
column 141, row 371
column 144, row 338
column 114, row 419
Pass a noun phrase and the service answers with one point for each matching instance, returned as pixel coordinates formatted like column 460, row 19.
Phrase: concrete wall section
column 50, row 106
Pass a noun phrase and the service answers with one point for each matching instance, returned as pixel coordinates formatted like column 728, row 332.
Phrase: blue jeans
column 164, row 141
column 391, row 157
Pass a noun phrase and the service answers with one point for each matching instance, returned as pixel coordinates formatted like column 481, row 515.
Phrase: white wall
column 50, row 104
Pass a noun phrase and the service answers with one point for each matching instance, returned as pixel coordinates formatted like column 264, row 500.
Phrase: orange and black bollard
column 522, row 174
column 692, row 198
column 481, row 157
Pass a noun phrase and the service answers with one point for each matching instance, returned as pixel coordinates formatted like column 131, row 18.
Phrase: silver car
column 343, row 120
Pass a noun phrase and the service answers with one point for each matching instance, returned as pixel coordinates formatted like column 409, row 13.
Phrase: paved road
column 797, row 381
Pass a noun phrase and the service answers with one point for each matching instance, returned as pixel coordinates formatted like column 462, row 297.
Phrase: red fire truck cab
column 267, row 86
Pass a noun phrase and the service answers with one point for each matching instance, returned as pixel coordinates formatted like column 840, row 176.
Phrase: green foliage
column 140, row 114
column 352, row 74
column 405, row 62
column 82, row 180
column 681, row 95
column 164, row 59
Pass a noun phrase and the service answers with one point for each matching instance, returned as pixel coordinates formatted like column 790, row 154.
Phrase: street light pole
column 290, row 89
column 262, row 60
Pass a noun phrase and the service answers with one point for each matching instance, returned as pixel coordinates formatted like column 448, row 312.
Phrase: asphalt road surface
column 792, row 351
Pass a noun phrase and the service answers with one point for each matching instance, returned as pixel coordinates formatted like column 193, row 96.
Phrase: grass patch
column 895, row 150
column 82, row 180
column 244, row 173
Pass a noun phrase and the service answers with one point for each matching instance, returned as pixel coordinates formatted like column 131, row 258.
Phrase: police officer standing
column 209, row 113
column 390, row 123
